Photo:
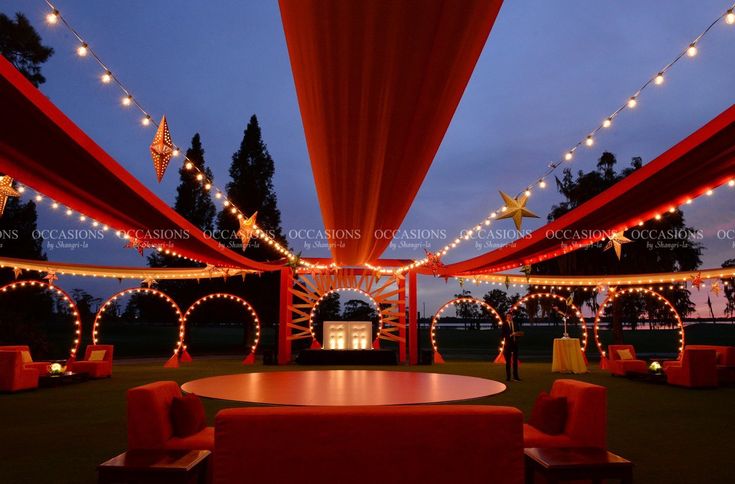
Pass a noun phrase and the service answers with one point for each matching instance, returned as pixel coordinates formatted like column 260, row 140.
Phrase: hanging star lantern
column 434, row 262
column 17, row 271
column 600, row 287
column 715, row 288
column 136, row 244
column 616, row 241
column 247, row 229
column 162, row 149
column 149, row 281
column 697, row 281
column 515, row 208
column 295, row 262
column 461, row 281
column 507, row 282
column 51, row 277
column 526, row 270
column 6, row 190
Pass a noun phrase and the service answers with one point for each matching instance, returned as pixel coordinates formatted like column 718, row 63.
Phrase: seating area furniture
column 725, row 356
column 573, row 464
column 696, row 369
column 361, row 445
column 156, row 466
column 150, row 424
column 14, row 375
column 620, row 366
column 586, row 424
column 97, row 362
column 41, row 366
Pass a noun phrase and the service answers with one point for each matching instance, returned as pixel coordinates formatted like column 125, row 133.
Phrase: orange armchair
column 725, row 361
column 41, row 366
column 98, row 368
column 696, row 369
column 586, row 424
column 14, row 376
column 621, row 367
column 149, row 420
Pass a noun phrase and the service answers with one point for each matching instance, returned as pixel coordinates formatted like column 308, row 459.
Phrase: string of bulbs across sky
column 54, row 17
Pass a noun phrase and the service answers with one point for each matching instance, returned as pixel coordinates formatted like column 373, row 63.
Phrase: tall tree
column 729, row 290
column 21, row 45
column 670, row 245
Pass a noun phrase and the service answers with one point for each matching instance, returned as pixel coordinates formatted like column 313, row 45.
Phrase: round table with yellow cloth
column 568, row 356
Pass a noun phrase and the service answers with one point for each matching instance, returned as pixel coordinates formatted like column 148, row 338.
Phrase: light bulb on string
column 53, row 17
column 607, row 123
column 127, row 100
column 82, row 50
column 568, row 156
column 107, row 77
column 189, row 165
column 589, row 141
column 542, row 183
column 659, row 79
column 632, row 102
column 692, row 50
column 730, row 17
column 146, row 120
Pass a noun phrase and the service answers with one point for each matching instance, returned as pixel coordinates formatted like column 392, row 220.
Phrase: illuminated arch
column 65, row 297
column 372, row 300
column 612, row 295
column 435, row 320
column 221, row 295
column 556, row 297
column 180, row 346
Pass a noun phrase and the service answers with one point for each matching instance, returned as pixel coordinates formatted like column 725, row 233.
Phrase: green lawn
column 59, row 435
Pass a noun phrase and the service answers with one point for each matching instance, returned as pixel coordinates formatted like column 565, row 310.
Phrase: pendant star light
column 54, row 17
column 247, row 227
column 128, row 100
column 616, row 242
column 6, row 191
column 162, row 149
column 515, row 208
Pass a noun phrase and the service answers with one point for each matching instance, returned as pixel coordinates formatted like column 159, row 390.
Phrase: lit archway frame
column 556, row 297
column 179, row 349
column 65, row 297
column 612, row 295
column 315, row 307
column 435, row 320
column 250, row 359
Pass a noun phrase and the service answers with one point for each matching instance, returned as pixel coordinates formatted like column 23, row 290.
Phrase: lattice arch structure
column 435, row 320
column 556, row 297
column 613, row 295
column 384, row 291
column 179, row 349
column 250, row 359
column 64, row 296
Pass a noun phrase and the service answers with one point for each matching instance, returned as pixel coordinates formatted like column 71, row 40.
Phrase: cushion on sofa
column 549, row 414
column 625, row 354
column 187, row 415
column 97, row 355
column 26, row 357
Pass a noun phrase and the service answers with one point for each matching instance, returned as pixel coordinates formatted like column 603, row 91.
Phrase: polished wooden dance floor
column 343, row 387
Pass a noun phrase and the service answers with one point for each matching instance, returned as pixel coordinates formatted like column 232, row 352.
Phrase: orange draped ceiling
column 43, row 148
column 378, row 82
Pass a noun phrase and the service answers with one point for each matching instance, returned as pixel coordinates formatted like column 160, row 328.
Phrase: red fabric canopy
column 43, row 148
column 704, row 160
column 378, row 82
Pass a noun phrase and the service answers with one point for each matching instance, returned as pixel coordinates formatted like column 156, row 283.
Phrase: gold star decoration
column 616, row 242
column 247, row 229
column 136, row 244
column 17, row 271
column 149, row 281
column 515, row 208
column 527, row 270
column 434, row 262
column 162, row 149
column 6, row 190
column 51, row 277
column 715, row 288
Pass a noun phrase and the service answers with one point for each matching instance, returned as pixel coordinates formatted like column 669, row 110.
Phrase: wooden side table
column 558, row 465
column 155, row 466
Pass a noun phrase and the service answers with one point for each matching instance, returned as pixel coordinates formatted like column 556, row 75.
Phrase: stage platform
column 347, row 357
column 343, row 387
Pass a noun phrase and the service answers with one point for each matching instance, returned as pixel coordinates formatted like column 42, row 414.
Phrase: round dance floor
column 343, row 387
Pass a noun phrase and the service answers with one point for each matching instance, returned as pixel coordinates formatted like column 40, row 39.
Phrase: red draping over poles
column 44, row 149
column 700, row 162
column 378, row 83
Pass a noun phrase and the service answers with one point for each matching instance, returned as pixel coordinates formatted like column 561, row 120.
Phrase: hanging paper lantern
column 247, row 229
column 6, row 190
column 162, row 149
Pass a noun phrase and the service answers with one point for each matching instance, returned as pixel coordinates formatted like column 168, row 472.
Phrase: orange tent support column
column 413, row 322
column 284, row 318
column 402, row 320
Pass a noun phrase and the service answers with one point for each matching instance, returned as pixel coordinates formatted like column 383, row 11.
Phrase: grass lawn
column 673, row 435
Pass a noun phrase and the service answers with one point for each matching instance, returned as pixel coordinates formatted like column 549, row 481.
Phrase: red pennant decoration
column 162, row 149
column 249, row 360
column 185, row 357
column 172, row 362
column 438, row 358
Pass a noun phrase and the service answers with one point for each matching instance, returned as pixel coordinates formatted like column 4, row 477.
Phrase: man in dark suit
column 510, row 346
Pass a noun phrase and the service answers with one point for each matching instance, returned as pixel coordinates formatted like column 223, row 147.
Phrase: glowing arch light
column 314, row 343
column 435, row 320
column 548, row 295
column 250, row 359
column 179, row 349
column 612, row 295
column 65, row 297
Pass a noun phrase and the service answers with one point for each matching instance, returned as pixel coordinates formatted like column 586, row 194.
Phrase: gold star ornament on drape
column 162, row 149
column 6, row 190
column 616, row 242
column 515, row 208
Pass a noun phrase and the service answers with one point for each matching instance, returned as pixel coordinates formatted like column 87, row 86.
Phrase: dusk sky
column 549, row 73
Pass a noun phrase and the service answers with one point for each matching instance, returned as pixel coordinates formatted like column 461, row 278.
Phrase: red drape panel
column 703, row 160
column 378, row 82
column 40, row 146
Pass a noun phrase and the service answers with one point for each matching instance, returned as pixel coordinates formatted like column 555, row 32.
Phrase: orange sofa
column 465, row 444
column 696, row 369
column 725, row 361
column 95, row 369
column 41, row 366
column 621, row 367
column 586, row 424
column 149, row 420
column 14, row 376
